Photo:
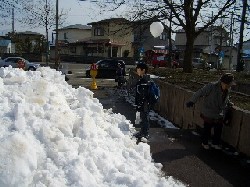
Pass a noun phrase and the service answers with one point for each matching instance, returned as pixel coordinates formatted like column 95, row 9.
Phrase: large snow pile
column 54, row 135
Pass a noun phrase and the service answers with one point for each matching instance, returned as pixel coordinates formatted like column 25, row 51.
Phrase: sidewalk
column 180, row 151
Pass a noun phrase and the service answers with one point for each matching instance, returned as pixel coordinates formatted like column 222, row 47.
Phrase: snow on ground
column 54, row 135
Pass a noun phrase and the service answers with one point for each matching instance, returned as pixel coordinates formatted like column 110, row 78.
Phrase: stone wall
column 242, row 87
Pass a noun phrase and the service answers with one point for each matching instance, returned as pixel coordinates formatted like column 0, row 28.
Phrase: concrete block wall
column 231, row 132
column 172, row 106
column 244, row 134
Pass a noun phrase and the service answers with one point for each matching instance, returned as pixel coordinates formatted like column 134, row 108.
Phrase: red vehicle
column 159, row 59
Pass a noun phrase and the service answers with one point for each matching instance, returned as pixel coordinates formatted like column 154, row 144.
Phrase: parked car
column 200, row 63
column 13, row 61
column 106, row 68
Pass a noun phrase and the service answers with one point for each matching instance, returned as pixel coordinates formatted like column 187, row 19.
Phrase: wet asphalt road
column 179, row 151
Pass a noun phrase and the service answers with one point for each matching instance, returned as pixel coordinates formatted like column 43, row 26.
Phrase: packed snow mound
column 54, row 135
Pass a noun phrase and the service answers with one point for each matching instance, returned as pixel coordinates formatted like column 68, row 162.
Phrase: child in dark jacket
column 142, row 99
column 120, row 73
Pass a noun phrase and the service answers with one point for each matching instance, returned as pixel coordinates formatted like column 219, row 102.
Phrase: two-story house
column 72, row 34
column 108, row 38
column 206, row 44
column 207, row 41
column 116, row 37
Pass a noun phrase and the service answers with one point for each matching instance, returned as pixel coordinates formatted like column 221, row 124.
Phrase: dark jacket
column 119, row 71
column 142, row 96
column 215, row 100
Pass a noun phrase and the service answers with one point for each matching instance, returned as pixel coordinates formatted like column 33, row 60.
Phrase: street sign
column 141, row 50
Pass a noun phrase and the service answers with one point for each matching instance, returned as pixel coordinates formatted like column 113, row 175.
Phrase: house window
column 65, row 36
column 98, row 31
column 72, row 49
column 95, row 49
column 163, row 36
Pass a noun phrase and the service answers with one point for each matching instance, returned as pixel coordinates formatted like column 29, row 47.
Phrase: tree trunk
column 188, row 54
column 240, row 64
column 57, row 61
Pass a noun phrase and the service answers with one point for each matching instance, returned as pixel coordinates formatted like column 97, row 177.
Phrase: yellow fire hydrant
column 93, row 73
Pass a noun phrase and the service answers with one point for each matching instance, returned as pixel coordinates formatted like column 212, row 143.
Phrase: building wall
column 119, row 34
column 73, row 35
column 126, row 35
column 180, row 39
column 11, row 48
column 205, row 39
column 202, row 40
column 149, row 41
column 6, row 46
column 246, row 45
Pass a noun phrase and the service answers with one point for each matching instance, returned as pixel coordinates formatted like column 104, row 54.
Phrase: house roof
column 4, row 38
column 4, row 42
column 247, row 41
column 109, row 20
column 206, row 30
column 134, row 23
column 76, row 26
column 123, row 20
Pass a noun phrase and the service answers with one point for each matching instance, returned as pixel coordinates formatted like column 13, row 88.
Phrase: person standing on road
column 213, row 112
column 142, row 99
column 120, row 73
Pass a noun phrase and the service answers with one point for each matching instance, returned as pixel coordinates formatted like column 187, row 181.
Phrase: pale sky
column 80, row 12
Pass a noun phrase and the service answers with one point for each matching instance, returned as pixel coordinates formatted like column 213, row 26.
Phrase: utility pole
column 239, row 66
column 170, row 38
column 56, row 42
column 211, row 41
column 47, row 33
column 140, row 42
column 13, row 20
column 231, row 39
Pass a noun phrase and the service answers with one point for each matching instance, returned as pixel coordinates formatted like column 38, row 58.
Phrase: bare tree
column 33, row 14
column 7, row 12
column 41, row 13
column 191, row 16
column 239, row 66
